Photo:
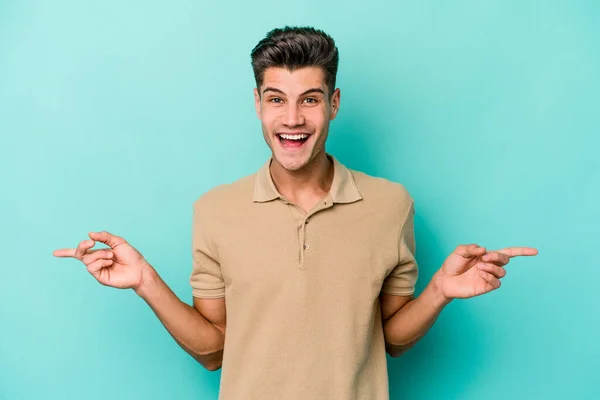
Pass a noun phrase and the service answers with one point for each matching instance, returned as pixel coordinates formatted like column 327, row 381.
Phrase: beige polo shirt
column 302, row 289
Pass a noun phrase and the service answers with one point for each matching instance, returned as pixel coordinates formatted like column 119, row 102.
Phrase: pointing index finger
column 518, row 251
column 64, row 253
column 78, row 252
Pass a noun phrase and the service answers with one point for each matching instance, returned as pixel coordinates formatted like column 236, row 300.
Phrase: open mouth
column 295, row 140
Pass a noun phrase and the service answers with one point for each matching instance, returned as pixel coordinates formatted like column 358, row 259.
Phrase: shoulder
column 227, row 196
column 380, row 189
column 388, row 199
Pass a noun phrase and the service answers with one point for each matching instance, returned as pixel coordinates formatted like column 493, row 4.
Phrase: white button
column 306, row 246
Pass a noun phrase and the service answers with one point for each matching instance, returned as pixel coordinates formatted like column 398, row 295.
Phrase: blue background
column 118, row 115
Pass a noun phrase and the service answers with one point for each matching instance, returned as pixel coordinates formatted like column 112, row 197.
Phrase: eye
column 275, row 100
column 310, row 100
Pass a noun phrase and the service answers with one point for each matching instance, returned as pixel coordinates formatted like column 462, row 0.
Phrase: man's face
column 295, row 109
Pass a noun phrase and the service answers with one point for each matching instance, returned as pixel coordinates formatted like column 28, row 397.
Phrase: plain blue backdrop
column 118, row 115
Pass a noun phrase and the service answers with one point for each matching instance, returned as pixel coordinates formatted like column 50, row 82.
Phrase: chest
column 280, row 253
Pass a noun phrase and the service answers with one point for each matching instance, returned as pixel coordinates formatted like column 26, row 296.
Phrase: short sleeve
column 206, row 279
column 401, row 281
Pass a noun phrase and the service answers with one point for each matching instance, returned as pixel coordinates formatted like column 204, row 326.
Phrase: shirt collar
column 343, row 188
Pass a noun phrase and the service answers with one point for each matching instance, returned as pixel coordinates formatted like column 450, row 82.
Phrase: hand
column 472, row 271
column 120, row 266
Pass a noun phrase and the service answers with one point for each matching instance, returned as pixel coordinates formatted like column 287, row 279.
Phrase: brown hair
column 296, row 47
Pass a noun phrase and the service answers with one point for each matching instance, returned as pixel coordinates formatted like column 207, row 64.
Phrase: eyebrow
column 312, row 90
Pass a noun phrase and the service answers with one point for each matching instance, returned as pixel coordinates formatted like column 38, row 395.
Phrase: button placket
column 302, row 243
column 304, row 240
column 305, row 244
column 303, row 219
column 298, row 217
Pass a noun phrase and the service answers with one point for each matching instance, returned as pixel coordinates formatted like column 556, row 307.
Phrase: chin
column 294, row 163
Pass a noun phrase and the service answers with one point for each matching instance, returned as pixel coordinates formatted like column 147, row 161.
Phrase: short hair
column 293, row 48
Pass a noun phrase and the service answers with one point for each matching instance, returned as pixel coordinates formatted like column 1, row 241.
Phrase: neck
column 312, row 180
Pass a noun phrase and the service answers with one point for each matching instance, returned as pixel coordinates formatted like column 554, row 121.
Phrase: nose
column 293, row 116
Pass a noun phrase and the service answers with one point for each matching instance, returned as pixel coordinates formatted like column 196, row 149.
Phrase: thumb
column 461, row 259
column 107, row 238
column 470, row 251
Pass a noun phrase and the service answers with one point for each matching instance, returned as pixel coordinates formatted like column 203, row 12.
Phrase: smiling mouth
column 295, row 140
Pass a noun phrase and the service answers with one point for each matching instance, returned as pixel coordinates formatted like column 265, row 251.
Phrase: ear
column 335, row 103
column 257, row 103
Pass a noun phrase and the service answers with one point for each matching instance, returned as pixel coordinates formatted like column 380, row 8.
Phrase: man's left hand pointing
column 471, row 270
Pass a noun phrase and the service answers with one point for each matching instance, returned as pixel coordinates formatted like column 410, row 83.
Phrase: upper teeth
column 294, row 137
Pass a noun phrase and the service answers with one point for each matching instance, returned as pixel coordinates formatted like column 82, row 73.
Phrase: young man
column 303, row 272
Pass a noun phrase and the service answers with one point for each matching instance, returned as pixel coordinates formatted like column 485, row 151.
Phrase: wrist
column 435, row 289
column 149, row 279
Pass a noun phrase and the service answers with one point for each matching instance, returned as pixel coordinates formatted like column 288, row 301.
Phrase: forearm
column 194, row 333
column 411, row 322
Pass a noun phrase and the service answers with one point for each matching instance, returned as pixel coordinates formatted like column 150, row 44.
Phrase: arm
column 407, row 319
column 468, row 272
column 199, row 330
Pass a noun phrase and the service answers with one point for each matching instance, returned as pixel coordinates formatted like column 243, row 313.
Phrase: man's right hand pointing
column 120, row 266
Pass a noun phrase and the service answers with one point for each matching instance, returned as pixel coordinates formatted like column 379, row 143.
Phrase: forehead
column 296, row 81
